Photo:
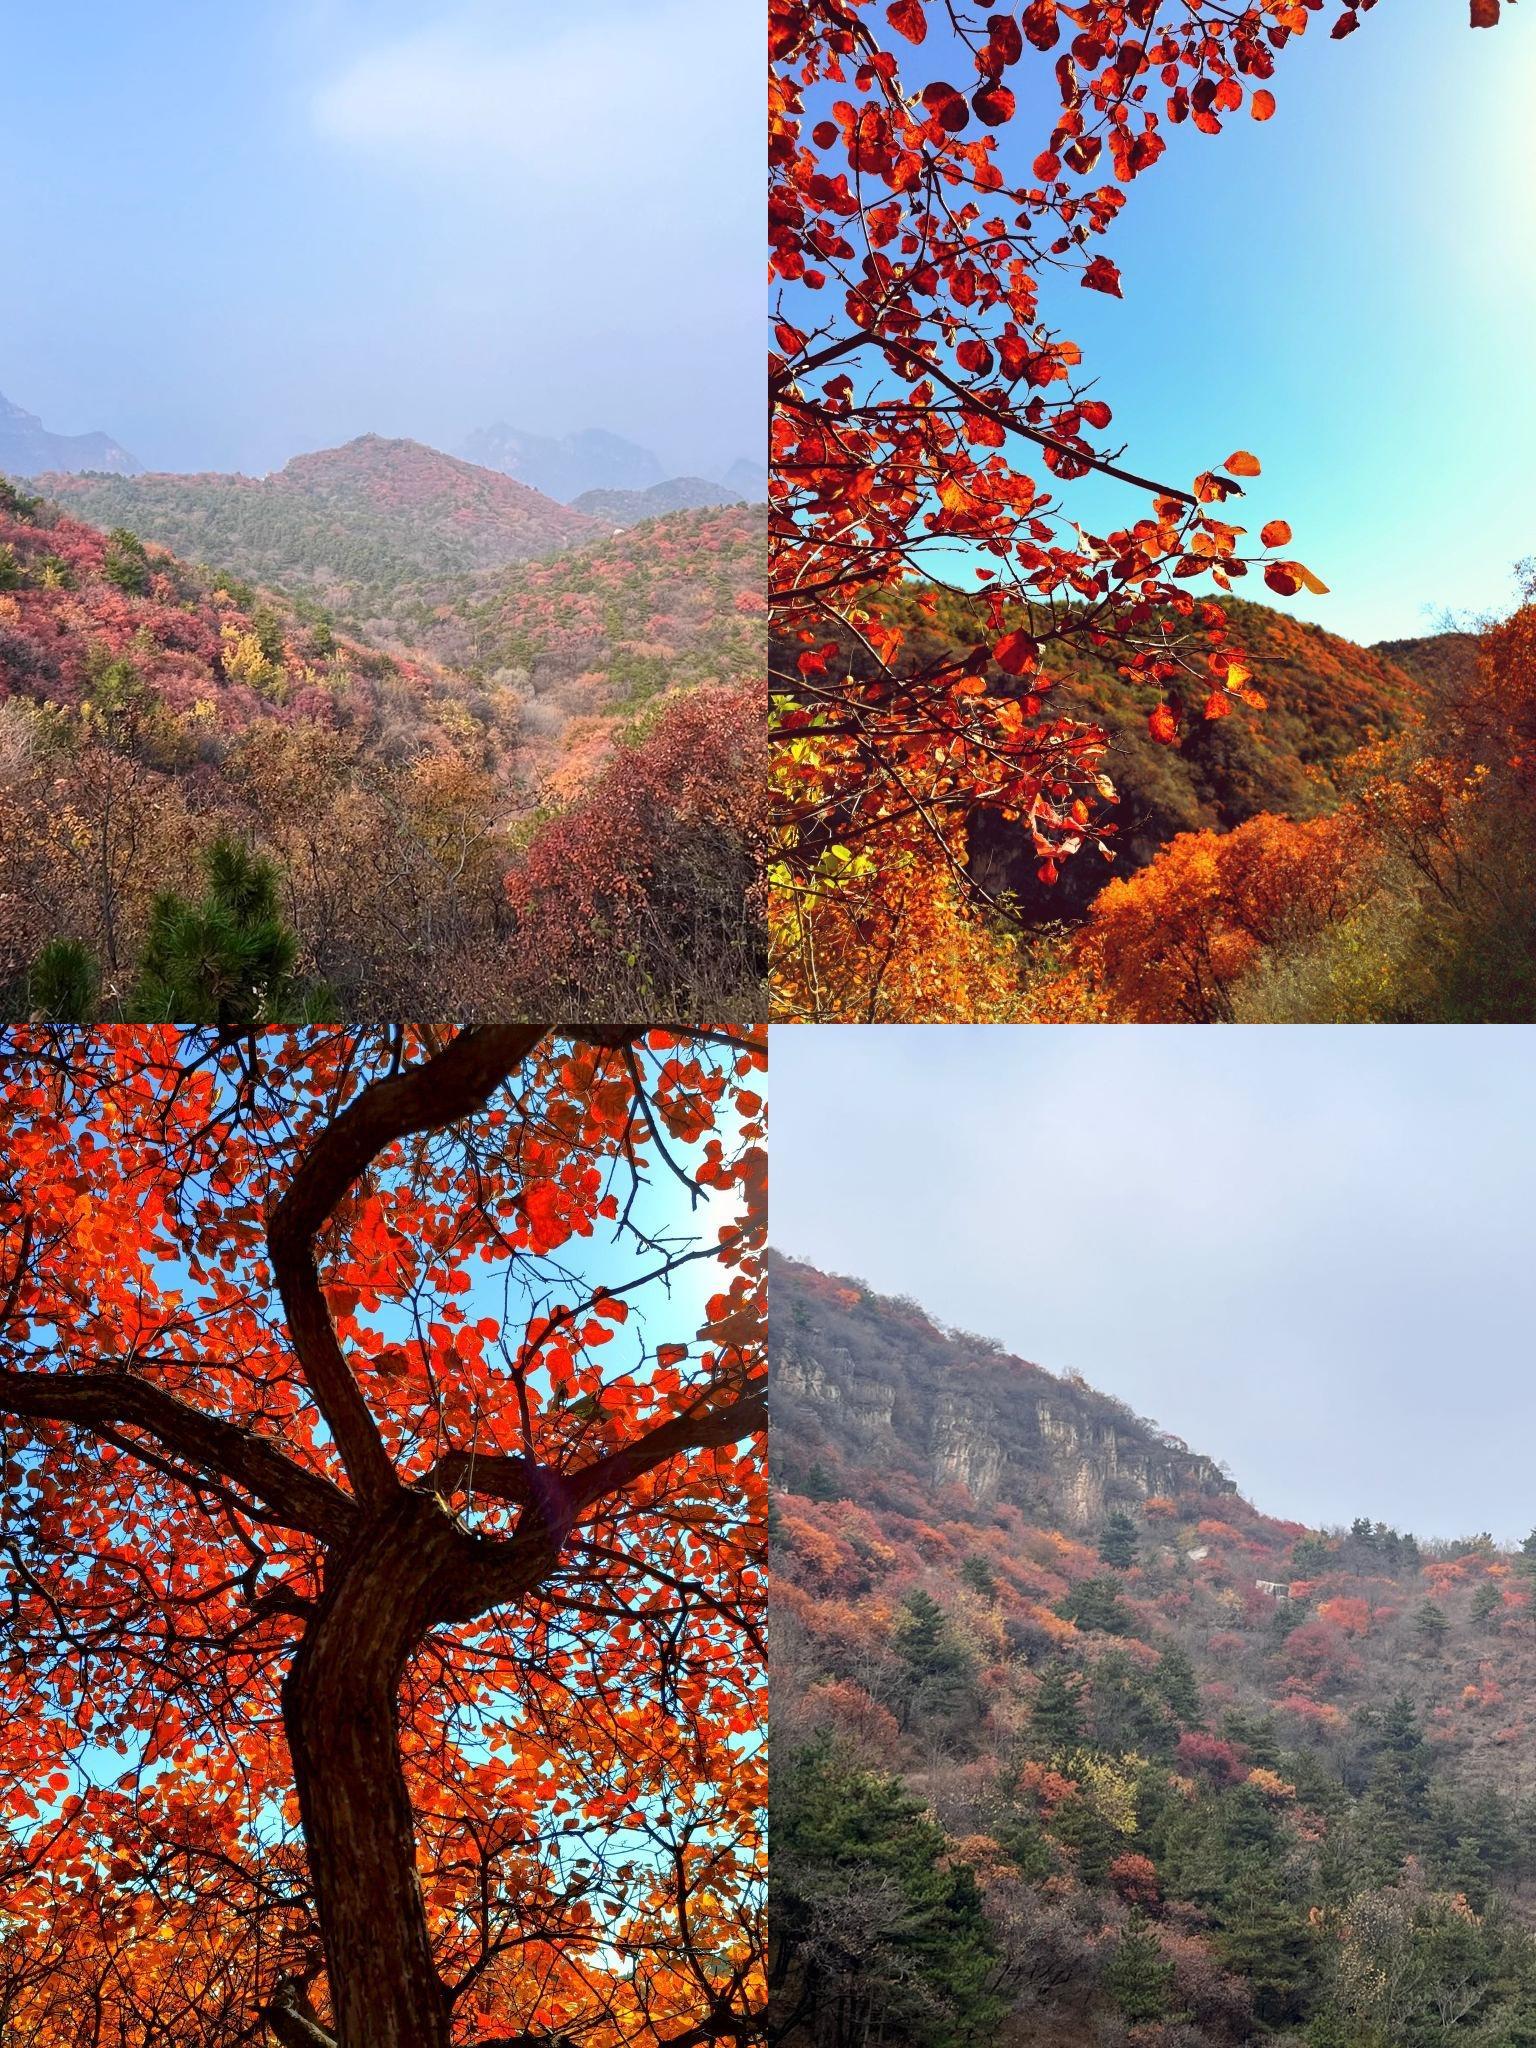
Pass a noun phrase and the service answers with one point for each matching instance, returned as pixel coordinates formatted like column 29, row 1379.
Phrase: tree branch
column 304, row 1500
column 443, row 1090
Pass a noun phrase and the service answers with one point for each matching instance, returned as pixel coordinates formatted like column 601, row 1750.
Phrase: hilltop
column 28, row 449
column 564, row 465
column 1076, row 1747
column 341, row 525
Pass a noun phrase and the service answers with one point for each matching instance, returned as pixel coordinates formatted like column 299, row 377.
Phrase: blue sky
column 1347, row 291
column 231, row 233
column 1308, row 1251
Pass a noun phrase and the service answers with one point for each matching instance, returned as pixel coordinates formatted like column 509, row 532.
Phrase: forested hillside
column 1075, row 1747
column 344, row 525
column 414, row 818
column 1319, row 698
column 1339, row 833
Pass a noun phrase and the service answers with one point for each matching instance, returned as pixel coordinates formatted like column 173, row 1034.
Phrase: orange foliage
column 337, row 1355
column 1166, row 945
column 874, row 157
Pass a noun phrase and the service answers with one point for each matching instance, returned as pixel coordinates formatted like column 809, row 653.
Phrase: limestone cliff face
column 864, row 1381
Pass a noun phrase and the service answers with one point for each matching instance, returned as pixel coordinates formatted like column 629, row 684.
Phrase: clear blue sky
column 230, row 233
column 1307, row 1250
column 1349, row 290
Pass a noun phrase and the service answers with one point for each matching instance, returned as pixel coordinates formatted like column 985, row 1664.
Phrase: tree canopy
column 382, row 1659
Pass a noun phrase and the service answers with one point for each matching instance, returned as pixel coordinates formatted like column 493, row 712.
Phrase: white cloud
column 611, row 96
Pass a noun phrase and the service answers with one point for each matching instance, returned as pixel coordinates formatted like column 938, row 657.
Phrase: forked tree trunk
column 340, row 1707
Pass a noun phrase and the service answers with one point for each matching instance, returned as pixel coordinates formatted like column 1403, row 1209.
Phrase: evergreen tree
column 1054, row 1714
column 976, row 1573
column 1094, row 1604
column 1138, row 1978
column 125, row 563
column 1430, row 1626
column 1117, row 1542
column 1310, row 1557
column 1486, row 1602
column 874, row 1920
column 1269, row 1940
column 64, row 986
column 818, row 1484
column 939, row 1685
column 227, row 961
column 1175, row 1680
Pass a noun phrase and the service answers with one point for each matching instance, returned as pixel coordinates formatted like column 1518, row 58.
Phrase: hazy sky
column 1309, row 1251
column 230, row 233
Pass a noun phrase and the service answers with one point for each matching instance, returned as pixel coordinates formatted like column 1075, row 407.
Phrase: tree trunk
column 340, row 1707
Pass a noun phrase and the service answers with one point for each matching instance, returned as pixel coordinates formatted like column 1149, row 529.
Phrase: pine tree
column 939, row 1684
column 976, row 1573
column 64, row 986
column 1054, row 1712
column 1094, row 1604
column 1430, row 1625
column 1117, row 1543
column 1175, row 1681
column 1138, row 1977
column 1270, row 1942
column 1486, row 1602
column 819, row 1484
column 227, row 961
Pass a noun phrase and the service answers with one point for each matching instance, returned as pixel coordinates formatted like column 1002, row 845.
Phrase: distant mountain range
column 341, row 524
column 27, row 448
column 572, row 466
column 678, row 494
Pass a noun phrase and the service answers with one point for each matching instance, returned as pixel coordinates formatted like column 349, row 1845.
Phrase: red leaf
column 1280, row 577
column 1262, row 105
column 946, row 106
column 1346, row 24
column 1241, row 464
column 1275, row 534
column 1017, row 654
column 1163, row 726
column 908, row 19
column 1102, row 276
column 1218, row 704
column 994, row 104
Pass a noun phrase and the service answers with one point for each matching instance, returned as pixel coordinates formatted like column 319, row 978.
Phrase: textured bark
column 340, row 1713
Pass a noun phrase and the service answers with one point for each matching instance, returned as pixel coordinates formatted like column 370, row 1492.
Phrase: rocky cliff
column 863, row 1381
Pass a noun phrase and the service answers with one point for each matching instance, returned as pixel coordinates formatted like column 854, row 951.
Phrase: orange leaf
column 1241, row 464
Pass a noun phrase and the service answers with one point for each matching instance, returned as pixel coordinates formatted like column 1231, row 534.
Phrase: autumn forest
column 467, row 740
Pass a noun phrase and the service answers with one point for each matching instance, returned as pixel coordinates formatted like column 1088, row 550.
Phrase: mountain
column 338, row 525
column 565, row 465
column 28, row 449
column 583, row 827
column 747, row 479
column 1073, row 1746
column 1326, row 697
column 628, row 508
column 1439, row 661
column 590, row 638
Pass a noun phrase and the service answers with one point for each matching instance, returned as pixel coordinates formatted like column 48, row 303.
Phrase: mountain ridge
column 336, row 522
column 29, row 449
